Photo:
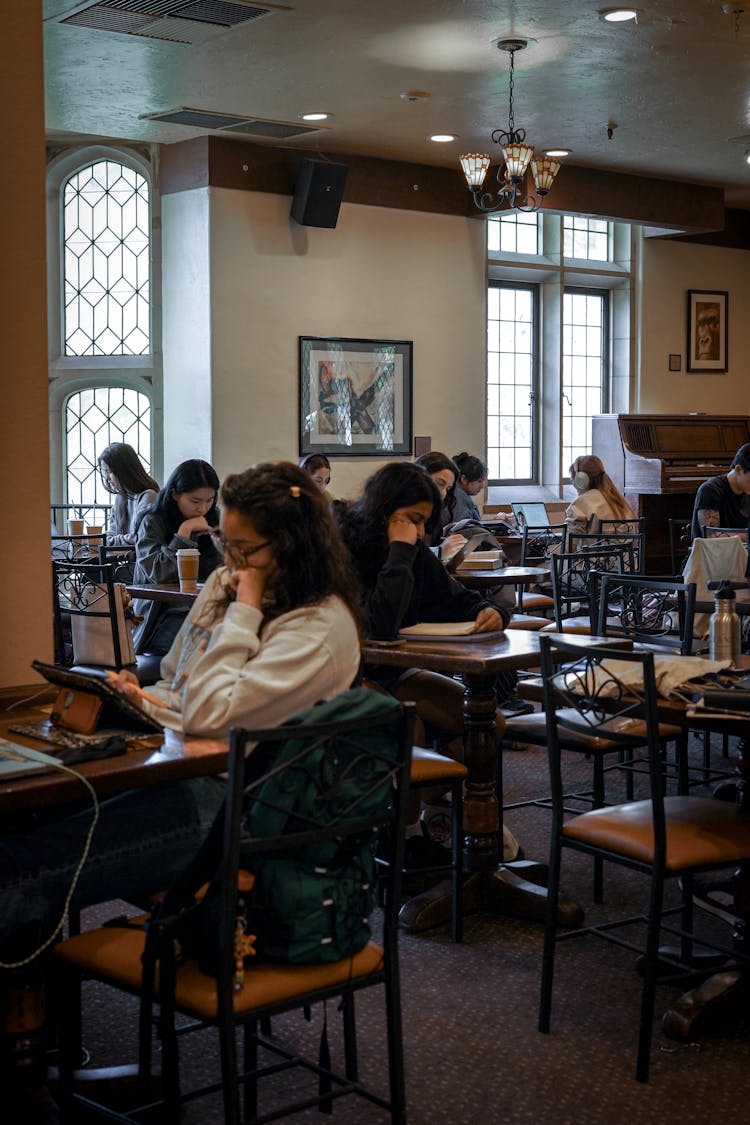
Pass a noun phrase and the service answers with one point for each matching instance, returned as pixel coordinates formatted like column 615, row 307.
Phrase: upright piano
column 658, row 461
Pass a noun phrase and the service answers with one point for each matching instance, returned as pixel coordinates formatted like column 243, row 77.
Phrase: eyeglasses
column 238, row 550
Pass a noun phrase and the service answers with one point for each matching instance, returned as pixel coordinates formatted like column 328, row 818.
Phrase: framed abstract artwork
column 355, row 396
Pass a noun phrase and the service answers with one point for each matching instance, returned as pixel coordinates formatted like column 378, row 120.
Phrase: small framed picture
column 355, row 396
column 675, row 362
column 707, row 322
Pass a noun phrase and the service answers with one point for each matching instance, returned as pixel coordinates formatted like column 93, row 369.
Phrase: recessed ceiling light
column 618, row 15
column 747, row 156
column 557, row 151
column 442, row 138
column 317, row 116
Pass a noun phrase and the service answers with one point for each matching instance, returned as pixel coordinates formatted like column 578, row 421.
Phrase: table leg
column 726, row 992
column 503, row 888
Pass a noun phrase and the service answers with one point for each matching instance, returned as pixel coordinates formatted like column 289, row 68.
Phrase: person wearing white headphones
column 598, row 497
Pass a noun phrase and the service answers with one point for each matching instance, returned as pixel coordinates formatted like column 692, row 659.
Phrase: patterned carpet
column 473, row 1054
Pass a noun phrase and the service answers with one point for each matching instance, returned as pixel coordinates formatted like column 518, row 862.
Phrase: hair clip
column 295, row 491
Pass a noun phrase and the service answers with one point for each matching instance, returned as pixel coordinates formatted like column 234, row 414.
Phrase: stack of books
column 481, row 560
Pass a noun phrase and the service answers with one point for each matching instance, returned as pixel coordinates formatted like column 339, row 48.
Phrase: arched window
column 104, row 314
column 106, row 227
column 94, row 417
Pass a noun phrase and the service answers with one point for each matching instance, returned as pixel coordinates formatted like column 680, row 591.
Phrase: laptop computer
column 534, row 512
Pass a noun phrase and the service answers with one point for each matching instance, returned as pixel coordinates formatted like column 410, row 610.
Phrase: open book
column 446, row 631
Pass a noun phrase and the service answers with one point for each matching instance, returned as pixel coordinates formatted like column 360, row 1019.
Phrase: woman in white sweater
column 273, row 632
column 598, row 497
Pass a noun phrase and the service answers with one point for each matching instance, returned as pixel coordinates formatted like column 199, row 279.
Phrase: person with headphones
column 598, row 497
column 317, row 466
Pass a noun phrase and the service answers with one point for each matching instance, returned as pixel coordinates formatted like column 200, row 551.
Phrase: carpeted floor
column 473, row 1054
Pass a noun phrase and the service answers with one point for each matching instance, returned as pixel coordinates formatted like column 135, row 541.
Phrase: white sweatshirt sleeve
column 241, row 680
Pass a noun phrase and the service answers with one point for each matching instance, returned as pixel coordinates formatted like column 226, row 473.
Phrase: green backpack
column 314, row 905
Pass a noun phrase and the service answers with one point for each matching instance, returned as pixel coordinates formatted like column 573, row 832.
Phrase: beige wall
column 380, row 274
column 669, row 269
column 24, row 449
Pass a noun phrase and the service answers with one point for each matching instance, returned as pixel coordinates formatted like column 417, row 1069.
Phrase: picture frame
column 675, row 362
column 355, row 396
column 707, row 329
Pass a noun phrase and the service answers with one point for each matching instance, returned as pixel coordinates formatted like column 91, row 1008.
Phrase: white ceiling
column 677, row 84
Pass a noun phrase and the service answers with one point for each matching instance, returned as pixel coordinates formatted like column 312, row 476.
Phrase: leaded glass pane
column 514, row 233
column 94, row 417
column 583, row 368
column 510, row 366
column 587, row 239
column 106, row 261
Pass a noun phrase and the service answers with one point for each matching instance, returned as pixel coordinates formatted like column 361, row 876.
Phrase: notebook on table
column 440, row 631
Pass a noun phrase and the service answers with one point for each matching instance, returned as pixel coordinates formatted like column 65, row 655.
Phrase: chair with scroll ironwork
column 91, row 623
column 663, row 837
column 312, row 795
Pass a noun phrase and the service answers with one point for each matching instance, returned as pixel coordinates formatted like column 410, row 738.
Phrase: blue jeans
column 143, row 839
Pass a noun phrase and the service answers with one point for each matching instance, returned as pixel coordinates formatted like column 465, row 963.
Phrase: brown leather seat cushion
column 526, row 621
column 700, row 831
column 428, row 766
column 533, row 729
column 115, row 954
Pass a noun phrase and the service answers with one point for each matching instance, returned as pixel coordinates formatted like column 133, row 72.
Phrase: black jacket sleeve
column 389, row 600
column 444, row 598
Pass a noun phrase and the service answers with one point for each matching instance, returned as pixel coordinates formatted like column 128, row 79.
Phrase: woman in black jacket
column 403, row 583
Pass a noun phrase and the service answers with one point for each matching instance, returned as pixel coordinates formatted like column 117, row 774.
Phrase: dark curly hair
column 364, row 522
column 288, row 510
column 473, row 468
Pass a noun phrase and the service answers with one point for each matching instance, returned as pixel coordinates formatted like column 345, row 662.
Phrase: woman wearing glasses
column 133, row 489
column 181, row 516
column 274, row 629
column 272, row 632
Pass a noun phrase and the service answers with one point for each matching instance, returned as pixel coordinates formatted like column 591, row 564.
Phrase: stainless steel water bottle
column 724, row 627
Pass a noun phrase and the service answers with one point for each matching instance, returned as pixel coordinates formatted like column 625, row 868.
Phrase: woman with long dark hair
column 134, row 491
column 181, row 517
column 273, row 631
column 444, row 473
column 402, row 583
column 472, row 479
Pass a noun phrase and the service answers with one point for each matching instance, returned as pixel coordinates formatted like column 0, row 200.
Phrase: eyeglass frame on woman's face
column 230, row 547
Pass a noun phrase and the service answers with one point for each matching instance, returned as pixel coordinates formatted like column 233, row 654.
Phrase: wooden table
column 180, row 756
column 503, row 576
column 493, row 886
column 167, row 592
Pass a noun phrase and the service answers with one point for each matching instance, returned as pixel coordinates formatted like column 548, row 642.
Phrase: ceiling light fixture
column 517, row 155
column 442, row 138
column 618, row 15
column 317, row 116
column 557, row 152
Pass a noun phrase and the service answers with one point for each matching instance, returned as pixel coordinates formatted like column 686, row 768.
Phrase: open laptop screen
column 534, row 512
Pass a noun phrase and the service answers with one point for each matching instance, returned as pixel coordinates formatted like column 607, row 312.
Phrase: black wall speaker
column 317, row 193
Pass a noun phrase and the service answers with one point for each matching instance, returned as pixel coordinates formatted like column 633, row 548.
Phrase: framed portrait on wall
column 355, row 396
column 707, row 324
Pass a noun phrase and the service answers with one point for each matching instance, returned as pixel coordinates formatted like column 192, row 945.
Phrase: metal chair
column 663, row 837
column 680, row 540
column 594, row 542
column 122, row 560
column 91, row 626
column 328, row 789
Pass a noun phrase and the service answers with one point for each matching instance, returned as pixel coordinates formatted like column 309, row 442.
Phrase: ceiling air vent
column 178, row 21
column 232, row 123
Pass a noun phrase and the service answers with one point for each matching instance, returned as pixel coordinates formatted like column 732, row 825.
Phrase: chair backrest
column 122, row 560
column 541, row 542
column 572, row 573
column 607, row 692
column 634, row 526
column 742, row 533
column 83, row 547
column 680, row 539
column 654, row 611
column 85, row 595
column 305, row 808
column 596, row 541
